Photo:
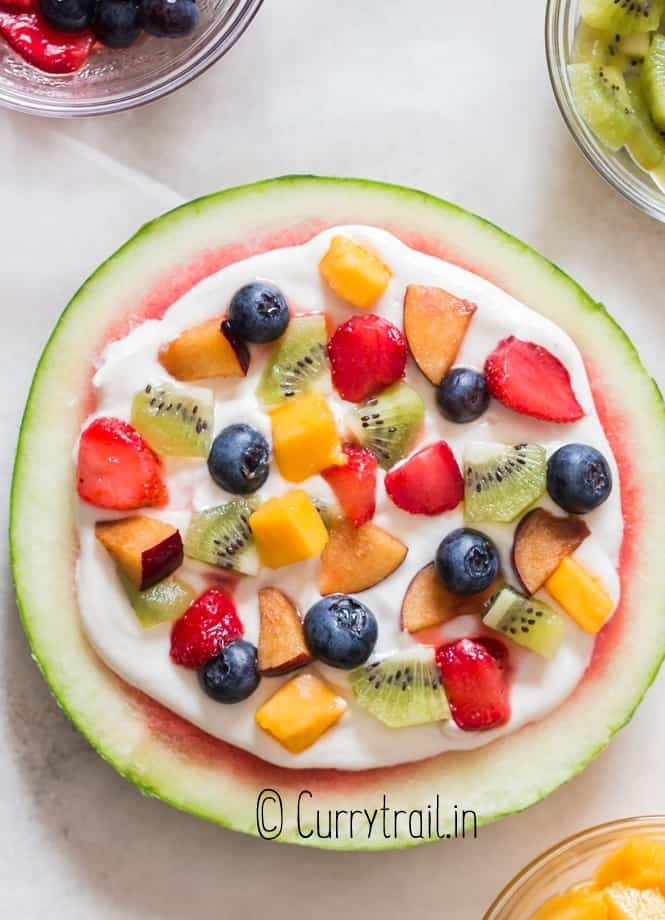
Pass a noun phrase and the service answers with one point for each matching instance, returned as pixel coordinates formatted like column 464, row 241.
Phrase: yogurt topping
column 141, row 657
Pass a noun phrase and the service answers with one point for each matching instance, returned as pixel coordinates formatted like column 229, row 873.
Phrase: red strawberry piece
column 44, row 47
column 476, row 684
column 528, row 378
column 117, row 469
column 367, row 353
column 355, row 484
column 429, row 482
column 18, row 6
column 205, row 629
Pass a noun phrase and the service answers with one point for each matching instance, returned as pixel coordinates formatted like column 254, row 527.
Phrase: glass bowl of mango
column 612, row 872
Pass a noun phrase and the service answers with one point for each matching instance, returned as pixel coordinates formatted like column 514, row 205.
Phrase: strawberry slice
column 430, row 481
column 475, row 676
column 355, row 484
column 367, row 353
column 117, row 469
column 18, row 6
column 29, row 34
column 529, row 379
column 205, row 629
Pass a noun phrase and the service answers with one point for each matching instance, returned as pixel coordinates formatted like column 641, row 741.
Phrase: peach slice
column 428, row 602
column 542, row 540
column 145, row 550
column 357, row 558
column 281, row 641
column 207, row 350
column 435, row 323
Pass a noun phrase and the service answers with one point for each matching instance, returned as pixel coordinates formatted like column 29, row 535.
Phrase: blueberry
column 578, row 478
column 117, row 23
column 239, row 459
column 467, row 561
column 68, row 15
column 462, row 395
column 232, row 676
column 340, row 631
column 169, row 18
column 259, row 312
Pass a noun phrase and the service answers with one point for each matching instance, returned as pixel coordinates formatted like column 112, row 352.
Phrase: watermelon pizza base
column 167, row 757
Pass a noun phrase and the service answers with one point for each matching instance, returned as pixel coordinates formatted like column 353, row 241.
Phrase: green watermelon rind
column 113, row 719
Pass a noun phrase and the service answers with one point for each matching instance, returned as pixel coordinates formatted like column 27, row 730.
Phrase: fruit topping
column 462, row 396
column 578, row 478
column 18, row 6
column 288, row 529
column 145, row 549
column 367, row 353
column 429, row 482
column 476, row 684
column 46, row 48
column 653, row 80
column 259, row 313
column 638, row 863
column 239, row 460
column 300, row 712
column 68, row 15
column 206, row 350
column 428, row 602
column 205, row 628
column 354, row 484
column 502, row 480
column 632, row 904
column 305, row 438
column 117, row 23
column 529, row 379
column 581, row 595
column 435, row 323
column 174, row 422
column 117, row 469
column 354, row 273
column 542, row 540
column 163, row 602
column 467, row 561
column 281, row 639
column 340, row 631
column 169, row 18
column 389, row 424
column 610, row 16
column 299, row 362
column 221, row 536
column 233, row 675
column 357, row 558
column 527, row 621
column 403, row 689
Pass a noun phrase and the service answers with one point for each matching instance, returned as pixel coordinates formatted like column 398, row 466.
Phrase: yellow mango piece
column 300, row 712
column 632, row 904
column 288, row 529
column 575, row 905
column 580, row 594
column 639, row 863
column 354, row 273
column 305, row 439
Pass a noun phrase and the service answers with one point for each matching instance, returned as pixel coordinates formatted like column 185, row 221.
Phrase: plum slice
column 542, row 540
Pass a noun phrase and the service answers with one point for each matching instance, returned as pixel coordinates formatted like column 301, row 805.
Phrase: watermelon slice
column 168, row 757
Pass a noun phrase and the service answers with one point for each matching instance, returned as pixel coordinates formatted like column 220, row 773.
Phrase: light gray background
column 451, row 97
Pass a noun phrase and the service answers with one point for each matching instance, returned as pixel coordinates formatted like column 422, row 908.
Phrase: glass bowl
column 616, row 168
column 113, row 81
column 572, row 861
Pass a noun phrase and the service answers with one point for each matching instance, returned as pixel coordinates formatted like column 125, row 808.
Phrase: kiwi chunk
column 623, row 51
column 388, row 424
column 402, row 689
column 653, row 80
column 647, row 144
column 527, row 621
column 174, row 422
column 622, row 15
column 165, row 601
column 502, row 480
column 222, row 537
column 603, row 101
column 299, row 362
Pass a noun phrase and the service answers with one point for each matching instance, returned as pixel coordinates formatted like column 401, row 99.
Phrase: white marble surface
column 449, row 97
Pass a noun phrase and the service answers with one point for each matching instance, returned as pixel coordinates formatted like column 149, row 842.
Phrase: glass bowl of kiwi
column 606, row 61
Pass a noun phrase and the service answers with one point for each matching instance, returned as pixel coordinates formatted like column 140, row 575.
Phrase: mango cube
column 288, row 529
column 580, row 594
column 354, row 273
column 300, row 712
column 639, row 863
column 305, row 440
column 631, row 904
column 575, row 905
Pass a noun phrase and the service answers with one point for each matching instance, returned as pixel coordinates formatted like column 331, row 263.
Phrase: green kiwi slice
column 165, row 601
column 402, row 689
column 603, row 101
column 653, row 80
column 299, row 362
column 527, row 621
column 647, row 145
column 622, row 15
column 174, row 422
column 222, row 537
column 623, row 51
column 502, row 480
column 388, row 424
